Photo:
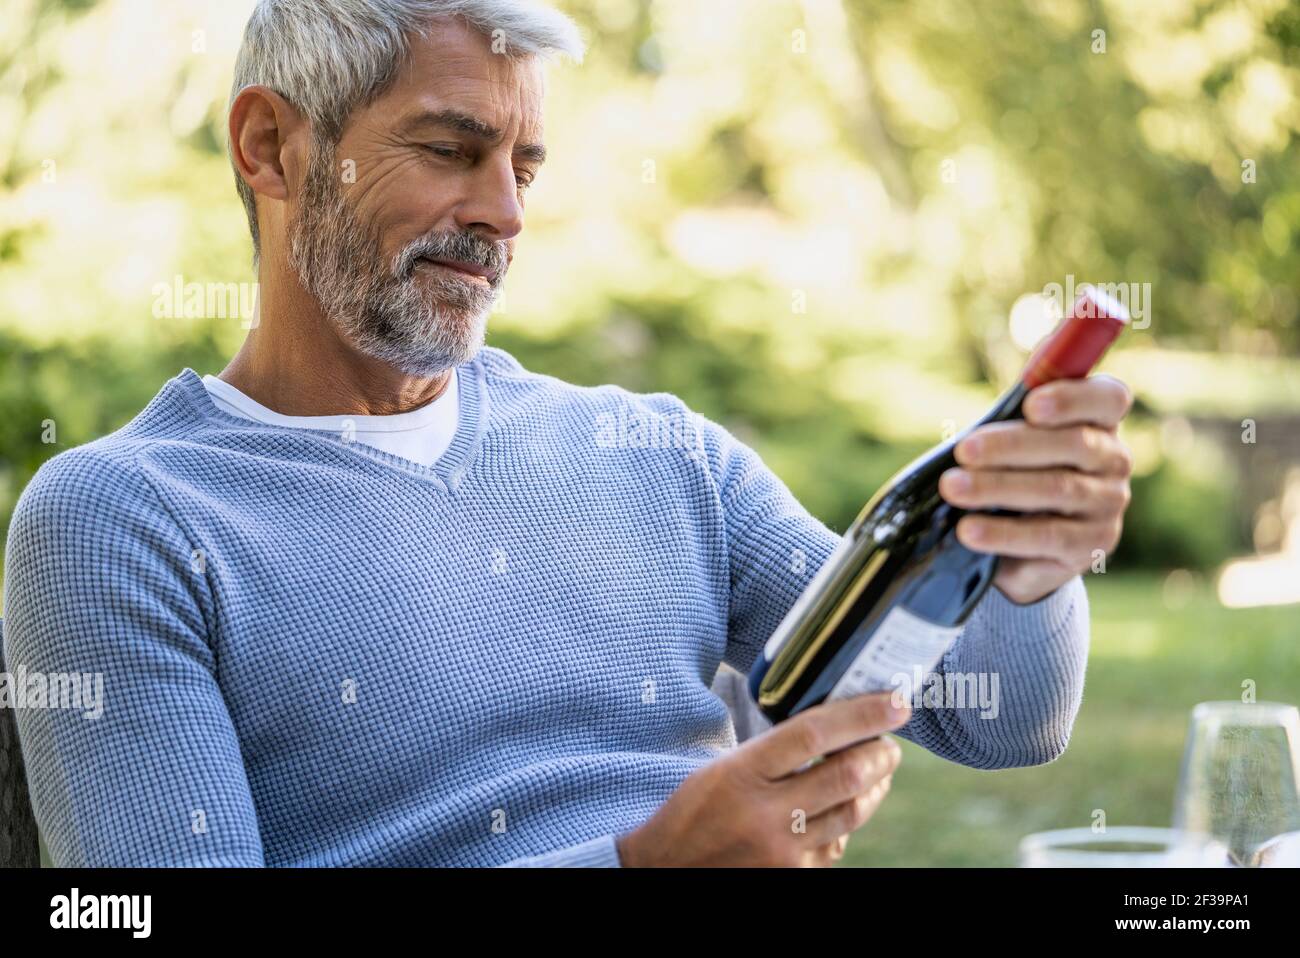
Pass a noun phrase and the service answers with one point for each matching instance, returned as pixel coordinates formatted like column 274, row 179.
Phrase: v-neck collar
column 446, row 472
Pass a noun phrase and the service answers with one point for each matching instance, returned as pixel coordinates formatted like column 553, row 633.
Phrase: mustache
column 466, row 247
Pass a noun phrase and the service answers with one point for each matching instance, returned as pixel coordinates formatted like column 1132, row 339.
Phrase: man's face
column 408, row 259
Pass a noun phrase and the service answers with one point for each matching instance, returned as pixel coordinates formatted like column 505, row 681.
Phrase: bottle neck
column 1007, row 406
column 1074, row 347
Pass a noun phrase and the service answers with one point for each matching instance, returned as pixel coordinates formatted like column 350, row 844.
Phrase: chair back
column 19, row 846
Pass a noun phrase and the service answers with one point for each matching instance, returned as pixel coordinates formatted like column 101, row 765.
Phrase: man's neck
column 295, row 363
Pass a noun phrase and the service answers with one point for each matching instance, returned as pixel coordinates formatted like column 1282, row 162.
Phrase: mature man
column 379, row 595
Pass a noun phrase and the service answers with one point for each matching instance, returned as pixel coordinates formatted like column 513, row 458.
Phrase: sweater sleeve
column 1036, row 653
column 102, row 585
column 1031, row 658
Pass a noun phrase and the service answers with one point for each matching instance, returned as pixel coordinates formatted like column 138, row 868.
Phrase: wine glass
column 1240, row 780
column 1121, row 847
column 1280, row 852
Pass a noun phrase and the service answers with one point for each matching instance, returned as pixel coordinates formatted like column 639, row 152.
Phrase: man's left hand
column 1064, row 467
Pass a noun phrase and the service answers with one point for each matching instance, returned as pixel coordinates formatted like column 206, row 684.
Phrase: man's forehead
column 453, row 69
column 452, row 54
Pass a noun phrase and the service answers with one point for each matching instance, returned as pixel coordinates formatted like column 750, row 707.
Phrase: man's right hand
column 760, row 805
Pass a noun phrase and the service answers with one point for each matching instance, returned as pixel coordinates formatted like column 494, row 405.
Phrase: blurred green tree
column 808, row 218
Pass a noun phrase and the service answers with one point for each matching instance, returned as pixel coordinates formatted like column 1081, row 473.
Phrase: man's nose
column 492, row 205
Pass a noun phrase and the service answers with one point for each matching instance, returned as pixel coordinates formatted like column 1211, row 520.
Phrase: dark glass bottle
column 888, row 602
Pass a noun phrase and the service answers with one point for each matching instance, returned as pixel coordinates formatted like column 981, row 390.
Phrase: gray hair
column 330, row 57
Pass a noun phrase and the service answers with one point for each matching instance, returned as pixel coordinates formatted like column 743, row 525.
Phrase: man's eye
column 447, row 151
column 524, row 181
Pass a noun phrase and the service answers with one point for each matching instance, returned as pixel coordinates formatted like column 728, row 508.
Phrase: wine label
column 901, row 644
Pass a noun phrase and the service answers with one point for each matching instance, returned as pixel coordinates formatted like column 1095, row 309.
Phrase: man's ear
column 266, row 141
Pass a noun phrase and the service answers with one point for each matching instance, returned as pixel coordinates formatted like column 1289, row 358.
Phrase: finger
column 1066, row 491
column 847, row 817
column 1069, row 541
column 827, row 855
column 1018, row 445
column 820, row 730
column 838, row 779
column 1098, row 400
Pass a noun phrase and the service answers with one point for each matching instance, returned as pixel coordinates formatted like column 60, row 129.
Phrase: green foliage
column 1181, row 517
column 748, row 207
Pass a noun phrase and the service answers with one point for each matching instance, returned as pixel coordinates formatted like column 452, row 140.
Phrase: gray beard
column 421, row 325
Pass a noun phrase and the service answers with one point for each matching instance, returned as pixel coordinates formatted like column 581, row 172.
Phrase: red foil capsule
column 1078, row 343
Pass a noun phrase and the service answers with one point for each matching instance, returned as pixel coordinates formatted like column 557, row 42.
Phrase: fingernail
column 968, row 448
column 958, row 480
column 898, row 711
column 973, row 531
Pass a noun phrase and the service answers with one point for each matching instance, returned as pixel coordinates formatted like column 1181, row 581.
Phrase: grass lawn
column 1149, row 664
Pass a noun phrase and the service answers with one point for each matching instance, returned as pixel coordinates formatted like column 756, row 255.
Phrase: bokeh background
column 823, row 223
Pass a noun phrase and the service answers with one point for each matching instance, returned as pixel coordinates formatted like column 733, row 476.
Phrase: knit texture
column 317, row 653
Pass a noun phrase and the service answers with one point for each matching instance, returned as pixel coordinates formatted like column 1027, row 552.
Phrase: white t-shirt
column 421, row 435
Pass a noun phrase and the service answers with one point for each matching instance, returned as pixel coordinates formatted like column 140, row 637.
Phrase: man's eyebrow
column 533, row 152
column 472, row 126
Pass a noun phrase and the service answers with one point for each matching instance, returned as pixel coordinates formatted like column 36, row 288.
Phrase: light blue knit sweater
column 316, row 653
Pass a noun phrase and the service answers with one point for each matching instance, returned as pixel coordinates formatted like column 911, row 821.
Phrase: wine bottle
column 891, row 598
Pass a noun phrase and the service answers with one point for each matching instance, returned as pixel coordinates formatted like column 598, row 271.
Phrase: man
column 379, row 595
